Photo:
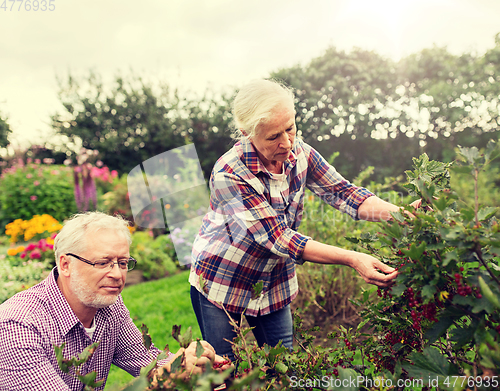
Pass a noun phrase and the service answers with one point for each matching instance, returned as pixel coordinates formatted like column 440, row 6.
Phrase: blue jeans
column 215, row 328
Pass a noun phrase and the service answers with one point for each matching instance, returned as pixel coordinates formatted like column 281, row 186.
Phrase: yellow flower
column 30, row 228
column 186, row 206
column 443, row 295
column 11, row 251
column 131, row 229
column 167, row 206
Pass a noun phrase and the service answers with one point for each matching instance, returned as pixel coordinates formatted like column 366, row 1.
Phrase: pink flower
column 29, row 176
column 30, row 247
column 33, row 198
column 35, row 254
column 37, row 161
column 99, row 163
column 23, row 255
column 54, row 172
column 114, row 173
column 50, row 246
column 36, row 183
column 29, row 160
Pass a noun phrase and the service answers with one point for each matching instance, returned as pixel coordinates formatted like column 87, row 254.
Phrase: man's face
column 94, row 287
column 274, row 139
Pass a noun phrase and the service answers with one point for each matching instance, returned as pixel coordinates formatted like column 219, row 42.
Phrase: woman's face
column 274, row 139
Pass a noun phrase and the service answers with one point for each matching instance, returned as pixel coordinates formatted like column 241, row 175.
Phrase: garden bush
column 438, row 327
column 151, row 254
column 35, row 189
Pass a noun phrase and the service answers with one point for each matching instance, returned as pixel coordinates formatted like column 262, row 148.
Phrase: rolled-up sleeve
column 324, row 181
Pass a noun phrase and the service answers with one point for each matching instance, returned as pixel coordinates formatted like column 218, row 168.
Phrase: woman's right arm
column 369, row 268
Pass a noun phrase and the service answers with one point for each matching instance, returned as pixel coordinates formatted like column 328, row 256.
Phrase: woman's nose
column 286, row 143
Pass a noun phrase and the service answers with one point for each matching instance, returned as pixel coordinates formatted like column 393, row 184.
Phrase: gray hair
column 73, row 236
column 254, row 104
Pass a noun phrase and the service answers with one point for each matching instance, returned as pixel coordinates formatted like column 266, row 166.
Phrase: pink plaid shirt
column 250, row 235
column 33, row 321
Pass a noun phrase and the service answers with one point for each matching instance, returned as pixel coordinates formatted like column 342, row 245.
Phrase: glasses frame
column 131, row 260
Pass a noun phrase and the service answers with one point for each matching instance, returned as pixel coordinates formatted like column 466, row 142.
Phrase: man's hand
column 368, row 267
column 191, row 364
column 221, row 363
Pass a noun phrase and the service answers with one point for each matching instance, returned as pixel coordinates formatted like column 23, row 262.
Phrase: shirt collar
column 60, row 308
column 250, row 158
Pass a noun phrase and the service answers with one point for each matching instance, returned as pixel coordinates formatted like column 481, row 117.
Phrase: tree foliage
column 5, row 130
column 374, row 110
column 133, row 120
column 381, row 113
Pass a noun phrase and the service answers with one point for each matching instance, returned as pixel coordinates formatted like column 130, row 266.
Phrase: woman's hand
column 370, row 268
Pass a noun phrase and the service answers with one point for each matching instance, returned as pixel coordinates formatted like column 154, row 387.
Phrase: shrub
column 152, row 258
column 36, row 189
column 25, row 266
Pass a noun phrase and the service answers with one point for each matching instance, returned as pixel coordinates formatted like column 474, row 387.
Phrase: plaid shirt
column 32, row 321
column 250, row 233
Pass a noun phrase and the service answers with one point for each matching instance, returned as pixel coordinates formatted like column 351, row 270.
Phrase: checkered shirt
column 250, row 236
column 33, row 321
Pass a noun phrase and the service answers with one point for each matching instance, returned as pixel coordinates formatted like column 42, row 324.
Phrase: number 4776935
column 28, row 5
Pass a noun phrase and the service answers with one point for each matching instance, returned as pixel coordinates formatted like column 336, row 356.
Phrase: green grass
column 158, row 304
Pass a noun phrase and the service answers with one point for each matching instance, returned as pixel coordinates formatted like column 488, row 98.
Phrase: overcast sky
column 195, row 44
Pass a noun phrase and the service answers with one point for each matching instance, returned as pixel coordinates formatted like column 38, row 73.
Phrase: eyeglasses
column 102, row 265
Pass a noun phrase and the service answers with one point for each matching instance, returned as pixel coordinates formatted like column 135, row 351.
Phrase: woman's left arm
column 376, row 209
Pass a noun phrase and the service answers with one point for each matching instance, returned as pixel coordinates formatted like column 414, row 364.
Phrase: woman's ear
column 243, row 132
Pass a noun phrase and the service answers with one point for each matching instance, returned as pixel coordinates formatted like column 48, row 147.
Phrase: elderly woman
column 250, row 234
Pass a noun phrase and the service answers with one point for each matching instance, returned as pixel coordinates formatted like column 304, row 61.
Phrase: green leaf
column 176, row 364
column 488, row 293
column 145, row 336
column 89, row 379
column 486, row 213
column 138, row 384
column 483, row 304
column 415, row 252
column 257, row 290
column 430, row 364
column 471, row 155
column 199, row 348
column 346, row 376
column 186, row 338
column 397, row 290
column 281, row 368
column 428, row 291
column 86, row 354
column 61, row 361
column 145, row 370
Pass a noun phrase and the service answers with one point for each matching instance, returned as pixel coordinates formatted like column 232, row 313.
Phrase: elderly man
column 78, row 304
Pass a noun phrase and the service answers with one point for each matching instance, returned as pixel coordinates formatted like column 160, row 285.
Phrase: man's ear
column 63, row 267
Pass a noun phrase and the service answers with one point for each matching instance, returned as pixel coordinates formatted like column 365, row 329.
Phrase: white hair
column 73, row 236
column 254, row 104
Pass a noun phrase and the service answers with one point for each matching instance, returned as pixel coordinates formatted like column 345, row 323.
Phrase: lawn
column 158, row 304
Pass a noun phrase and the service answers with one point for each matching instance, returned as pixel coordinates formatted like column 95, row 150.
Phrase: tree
column 133, row 120
column 5, row 130
column 381, row 113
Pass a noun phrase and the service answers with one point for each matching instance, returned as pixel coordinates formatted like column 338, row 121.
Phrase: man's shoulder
column 26, row 305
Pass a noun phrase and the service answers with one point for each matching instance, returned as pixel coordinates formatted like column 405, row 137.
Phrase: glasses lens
column 103, row 264
column 131, row 263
